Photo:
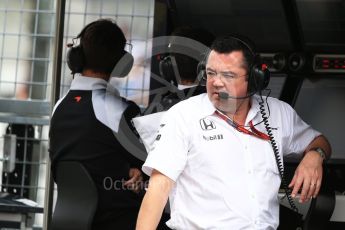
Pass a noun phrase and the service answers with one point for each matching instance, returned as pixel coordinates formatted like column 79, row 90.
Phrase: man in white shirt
column 213, row 156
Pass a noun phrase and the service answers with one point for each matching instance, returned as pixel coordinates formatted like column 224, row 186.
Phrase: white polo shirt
column 225, row 179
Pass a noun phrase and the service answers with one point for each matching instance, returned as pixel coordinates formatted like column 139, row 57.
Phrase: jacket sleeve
column 130, row 138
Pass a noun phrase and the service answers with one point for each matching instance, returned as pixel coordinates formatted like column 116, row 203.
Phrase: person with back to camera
column 91, row 124
column 213, row 155
column 180, row 68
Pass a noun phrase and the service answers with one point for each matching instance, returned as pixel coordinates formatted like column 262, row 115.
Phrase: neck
column 241, row 112
column 94, row 74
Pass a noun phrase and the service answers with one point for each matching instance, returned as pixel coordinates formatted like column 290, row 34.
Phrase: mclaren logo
column 207, row 124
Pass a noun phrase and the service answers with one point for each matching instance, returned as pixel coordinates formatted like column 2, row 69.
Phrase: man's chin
column 230, row 106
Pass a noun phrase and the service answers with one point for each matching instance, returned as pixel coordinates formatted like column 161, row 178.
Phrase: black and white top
column 91, row 124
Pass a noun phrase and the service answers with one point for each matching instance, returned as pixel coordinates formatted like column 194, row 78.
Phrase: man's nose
column 218, row 81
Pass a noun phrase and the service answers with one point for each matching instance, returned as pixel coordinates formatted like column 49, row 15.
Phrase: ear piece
column 201, row 72
column 259, row 76
column 166, row 69
column 259, row 79
column 75, row 58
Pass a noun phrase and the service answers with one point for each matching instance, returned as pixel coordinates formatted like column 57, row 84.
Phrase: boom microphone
column 225, row 96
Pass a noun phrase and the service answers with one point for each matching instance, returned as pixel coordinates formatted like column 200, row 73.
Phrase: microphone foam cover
column 223, row 95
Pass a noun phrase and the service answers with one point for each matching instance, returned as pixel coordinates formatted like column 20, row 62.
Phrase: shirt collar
column 254, row 108
column 87, row 83
column 208, row 108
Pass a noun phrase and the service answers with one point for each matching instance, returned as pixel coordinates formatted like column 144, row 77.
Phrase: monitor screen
column 321, row 103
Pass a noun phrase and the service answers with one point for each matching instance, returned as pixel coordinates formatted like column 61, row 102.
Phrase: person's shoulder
column 195, row 90
column 191, row 101
column 189, row 106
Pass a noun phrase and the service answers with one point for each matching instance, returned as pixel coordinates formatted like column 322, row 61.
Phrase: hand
column 135, row 181
column 308, row 176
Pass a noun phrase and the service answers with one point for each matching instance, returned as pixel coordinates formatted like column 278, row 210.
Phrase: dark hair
column 228, row 44
column 103, row 45
column 187, row 65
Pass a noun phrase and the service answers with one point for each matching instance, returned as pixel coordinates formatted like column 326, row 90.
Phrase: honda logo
column 207, row 124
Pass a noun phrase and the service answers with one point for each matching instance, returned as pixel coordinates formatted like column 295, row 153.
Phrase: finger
column 134, row 181
column 296, row 187
column 136, row 187
column 134, row 171
column 131, row 181
column 292, row 183
column 318, row 184
column 133, row 187
column 131, row 184
column 136, row 175
column 317, row 189
column 305, row 190
column 312, row 189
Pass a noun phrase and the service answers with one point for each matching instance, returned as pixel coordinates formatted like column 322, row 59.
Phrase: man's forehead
column 233, row 58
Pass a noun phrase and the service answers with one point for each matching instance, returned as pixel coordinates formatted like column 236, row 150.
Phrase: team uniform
column 224, row 179
column 87, row 126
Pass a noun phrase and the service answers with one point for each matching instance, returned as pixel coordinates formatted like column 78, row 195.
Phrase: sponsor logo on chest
column 213, row 137
column 207, row 124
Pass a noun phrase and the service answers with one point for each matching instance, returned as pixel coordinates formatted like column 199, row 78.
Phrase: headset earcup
column 75, row 59
column 258, row 79
column 259, row 76
column 123, row 66
column 266, row 77
column 201, row 73
column 166, row 69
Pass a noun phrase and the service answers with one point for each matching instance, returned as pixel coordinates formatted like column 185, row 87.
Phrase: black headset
column 258, row 76
column 76, row 59
column 167, row 69
column 168, row 64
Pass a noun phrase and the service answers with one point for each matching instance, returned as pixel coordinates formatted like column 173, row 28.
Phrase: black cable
column 276, row 153
column 269, row 112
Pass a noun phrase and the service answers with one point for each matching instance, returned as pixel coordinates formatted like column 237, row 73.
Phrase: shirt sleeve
column 300, row 133
column 169, row 151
